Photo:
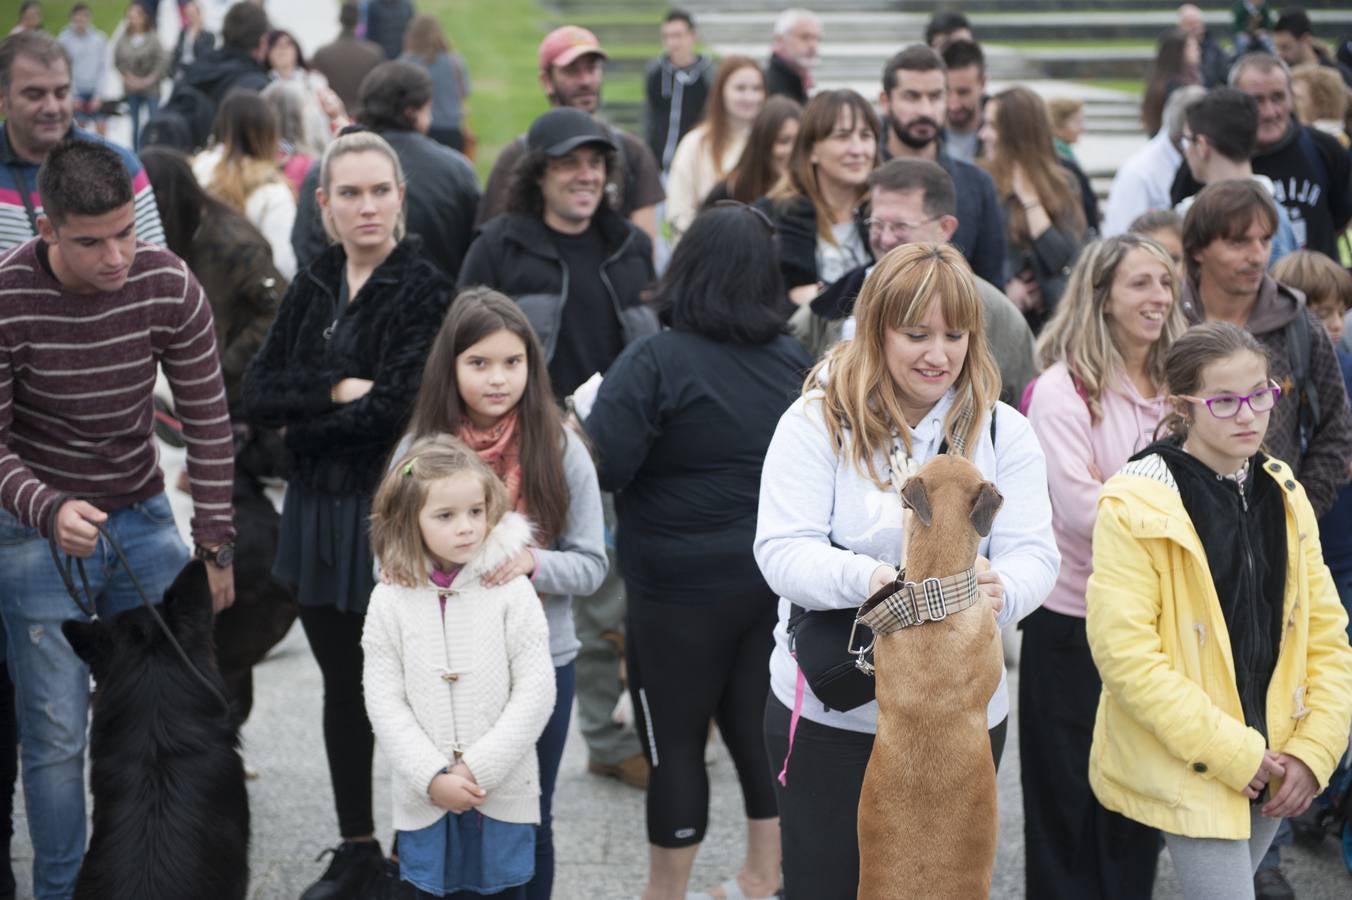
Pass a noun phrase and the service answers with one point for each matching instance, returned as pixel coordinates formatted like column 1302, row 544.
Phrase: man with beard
column 38, row 105
column 793, row 53
column 915, row 104
column 1310, row 170
column 571, row 69
column 966, row 94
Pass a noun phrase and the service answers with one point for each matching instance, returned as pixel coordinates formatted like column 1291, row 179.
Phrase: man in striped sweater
column 87, row 312
column 38, row 104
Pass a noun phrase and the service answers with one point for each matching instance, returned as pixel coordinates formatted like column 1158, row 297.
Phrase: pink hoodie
column 1075, row 448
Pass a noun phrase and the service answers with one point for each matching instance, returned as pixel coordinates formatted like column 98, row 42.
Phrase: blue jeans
column 136, row 104
column 52, row 683
column 549, row 749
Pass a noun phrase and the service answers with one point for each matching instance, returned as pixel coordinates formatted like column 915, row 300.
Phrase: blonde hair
column 860, row 400
column 396, row 536
column 358, row 142
column 1062, row 108
column 1078, row 333
column 246, row 130
column 1328, row 95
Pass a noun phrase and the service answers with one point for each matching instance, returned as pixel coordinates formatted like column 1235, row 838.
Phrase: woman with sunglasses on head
column 1216, row 628
column 1097, row 401
column 680, row 426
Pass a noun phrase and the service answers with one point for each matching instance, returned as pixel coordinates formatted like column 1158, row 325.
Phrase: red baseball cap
column 565, row 44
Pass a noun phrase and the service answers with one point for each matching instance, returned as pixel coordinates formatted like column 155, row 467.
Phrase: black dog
column 171, row 812
column 264, row 610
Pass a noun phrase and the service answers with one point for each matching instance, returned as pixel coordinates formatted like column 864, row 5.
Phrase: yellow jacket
column 1170, row 747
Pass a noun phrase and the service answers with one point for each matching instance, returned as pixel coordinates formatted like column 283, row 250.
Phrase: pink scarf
column 498, row 446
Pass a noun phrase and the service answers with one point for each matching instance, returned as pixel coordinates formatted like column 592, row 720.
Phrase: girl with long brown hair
column 765, row 158
column 1178, row 61
column 486, row 381
column 917, row 379
column 818, row 204
column 1044, row 216
column 708, row 152
column 240, row 169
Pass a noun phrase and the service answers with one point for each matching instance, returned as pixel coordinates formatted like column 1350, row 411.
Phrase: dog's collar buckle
column 933, row 592
column 904, row 604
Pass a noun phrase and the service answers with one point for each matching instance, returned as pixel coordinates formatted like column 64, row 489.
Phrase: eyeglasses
column 1226, row 406
column 738, row 204
column 900, row 229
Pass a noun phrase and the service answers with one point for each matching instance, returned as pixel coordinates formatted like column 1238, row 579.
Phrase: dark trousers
column 549, row 750
column 335, row 640
column 819, row 807
column 1074, row 848
column 690, row 664
column 515, row 893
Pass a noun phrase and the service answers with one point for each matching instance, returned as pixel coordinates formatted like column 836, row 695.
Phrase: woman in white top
column 240, row 169
column 706, row 155
column 917, row 376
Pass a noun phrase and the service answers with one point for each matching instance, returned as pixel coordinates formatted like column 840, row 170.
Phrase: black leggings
column 819, row 807
column 335, row 640
column 689, row 664
column 1074, row 848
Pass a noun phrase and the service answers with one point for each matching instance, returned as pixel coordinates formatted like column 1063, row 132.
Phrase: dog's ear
column 187, row 605
column 89, row 640
column 987, row 504
column 913, row 495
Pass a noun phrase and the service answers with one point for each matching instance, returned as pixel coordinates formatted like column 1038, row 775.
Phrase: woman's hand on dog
column 75, row 531
column 455, row 792
column 881, row 578
column 989, row 585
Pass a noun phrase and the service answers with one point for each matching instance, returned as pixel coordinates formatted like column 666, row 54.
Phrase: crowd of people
column 650, row 400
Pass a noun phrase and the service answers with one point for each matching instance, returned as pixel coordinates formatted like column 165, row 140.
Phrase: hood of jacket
column 510, row 536
column 1276, row 306
column 224, row 70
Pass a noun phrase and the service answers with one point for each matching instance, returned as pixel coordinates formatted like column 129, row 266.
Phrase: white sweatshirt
column 811, row 496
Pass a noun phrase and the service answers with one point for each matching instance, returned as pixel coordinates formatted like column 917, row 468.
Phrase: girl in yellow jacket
column 1227, row 676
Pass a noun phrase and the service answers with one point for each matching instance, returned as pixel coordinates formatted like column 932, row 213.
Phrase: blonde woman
column 240, row 169
column 918, row 378
column 339, row 370
column 711, row 149
column 1097, row 401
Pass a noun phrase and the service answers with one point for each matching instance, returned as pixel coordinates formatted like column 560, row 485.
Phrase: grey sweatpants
column 1215, row 869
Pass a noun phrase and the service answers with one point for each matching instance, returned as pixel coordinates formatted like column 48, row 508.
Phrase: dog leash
column 68, row 578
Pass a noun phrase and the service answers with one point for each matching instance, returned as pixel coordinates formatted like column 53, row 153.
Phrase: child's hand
column 463, row 771
column 455, row 793
column 1299, row 787
column 521, row 564
column 1271, row 765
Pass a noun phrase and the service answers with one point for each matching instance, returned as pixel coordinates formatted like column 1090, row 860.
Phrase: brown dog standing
column 927, row 812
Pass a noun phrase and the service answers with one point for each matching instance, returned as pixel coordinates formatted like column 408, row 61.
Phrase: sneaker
column 354, row 866
column 632, row 771
column 1271, row 884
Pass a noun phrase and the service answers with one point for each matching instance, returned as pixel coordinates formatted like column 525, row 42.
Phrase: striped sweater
column 18, row 176
column 77, row 373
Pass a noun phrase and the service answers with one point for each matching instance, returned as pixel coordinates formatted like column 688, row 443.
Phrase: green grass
column 1105, row 44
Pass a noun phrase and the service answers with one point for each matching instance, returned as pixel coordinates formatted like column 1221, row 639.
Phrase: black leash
column 68, row 577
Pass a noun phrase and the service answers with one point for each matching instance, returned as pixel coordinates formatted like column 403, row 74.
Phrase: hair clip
column 353, row 128
column 407, row 470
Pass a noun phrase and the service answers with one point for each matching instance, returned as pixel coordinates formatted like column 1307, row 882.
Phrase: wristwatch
column 223, row 556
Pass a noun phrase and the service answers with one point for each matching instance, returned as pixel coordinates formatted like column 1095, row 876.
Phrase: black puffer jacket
column 796, row 222
column 514, row 254
column 383, row 334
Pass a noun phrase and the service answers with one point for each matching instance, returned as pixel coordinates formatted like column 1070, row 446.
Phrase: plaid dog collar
column 905, row 603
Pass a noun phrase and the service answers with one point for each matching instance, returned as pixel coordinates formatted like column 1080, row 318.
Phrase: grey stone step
column 755, row 26
column 926, row 7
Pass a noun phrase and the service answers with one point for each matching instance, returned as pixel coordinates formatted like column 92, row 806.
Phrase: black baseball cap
column 561, row 131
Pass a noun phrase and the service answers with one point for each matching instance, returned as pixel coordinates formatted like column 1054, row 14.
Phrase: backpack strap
column 1298, row 354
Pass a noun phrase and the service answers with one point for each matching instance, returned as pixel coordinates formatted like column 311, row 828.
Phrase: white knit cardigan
column 478, row 681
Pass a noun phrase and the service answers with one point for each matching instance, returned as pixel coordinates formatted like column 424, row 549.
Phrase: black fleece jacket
column 1243, row 531
column 383, row 334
